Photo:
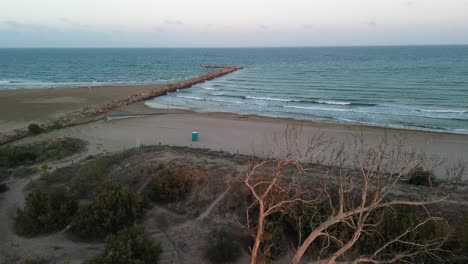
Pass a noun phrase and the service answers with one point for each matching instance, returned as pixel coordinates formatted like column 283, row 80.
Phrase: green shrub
column 34, row 129
column 419, row 176
column 129, row 246
column 115, row 208
column 223, row 247
column 45, row 211
column 3, row 187
column 170, row 185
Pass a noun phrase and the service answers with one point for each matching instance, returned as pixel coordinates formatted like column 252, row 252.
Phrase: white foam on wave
column 190, row 97
column 333, row 102
column 158, row 105
column 210, row 88
column 442, row 111
column 270, row 99
column 316, row 108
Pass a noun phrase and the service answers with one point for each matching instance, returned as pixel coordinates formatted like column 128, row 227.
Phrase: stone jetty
column 85, row 114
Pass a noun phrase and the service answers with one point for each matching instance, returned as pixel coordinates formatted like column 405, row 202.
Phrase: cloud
column 74, row 24
column 158, row 29
column 409, row 3
column 18, row 25
column 15, row 24
column 264, row 27
column 308, row 26
column 174, row 22
column 372, row 23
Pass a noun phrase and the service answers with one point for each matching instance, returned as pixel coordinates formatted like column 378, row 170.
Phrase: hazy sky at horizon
column 239, row 23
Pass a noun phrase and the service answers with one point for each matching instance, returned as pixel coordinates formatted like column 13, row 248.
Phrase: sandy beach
column 18, row 108
column 238, row 133
column 136, row 124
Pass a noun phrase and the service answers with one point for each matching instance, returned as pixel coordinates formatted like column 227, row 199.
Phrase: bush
column 3, row 187
column 45, row 211
column 34, row 129
column 115, row 208
column 223, row 247
column 170, row 185
column 419, row 176
column 129, row 246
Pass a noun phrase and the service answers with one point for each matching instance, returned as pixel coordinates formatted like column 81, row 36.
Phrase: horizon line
column 234, row 47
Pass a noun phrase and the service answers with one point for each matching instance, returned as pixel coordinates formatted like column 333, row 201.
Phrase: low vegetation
column 91, row 174
column 14, row 156
column 223, row 247
column 114, row 209
column 176, row 178
column 3, row 187
column 129, row 246
column 45, row 211
column 82, row 179
column 34, row 129
column 419, row 176
column 171, row 185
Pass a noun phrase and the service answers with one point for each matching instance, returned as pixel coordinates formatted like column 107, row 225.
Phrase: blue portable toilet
column 194, row 136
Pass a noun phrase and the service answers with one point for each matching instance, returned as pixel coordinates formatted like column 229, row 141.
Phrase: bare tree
column 358, row 185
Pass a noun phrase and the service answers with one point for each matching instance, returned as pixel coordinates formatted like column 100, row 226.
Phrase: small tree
column 45, row 169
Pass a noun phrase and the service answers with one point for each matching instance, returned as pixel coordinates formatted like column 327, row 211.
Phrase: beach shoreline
column 120, row 116
column 52, row 108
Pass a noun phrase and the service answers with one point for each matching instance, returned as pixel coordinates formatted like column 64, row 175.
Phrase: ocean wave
column 333, row 102
column 190, row 97
column 210, row 88
column 443, row 111
column 377, row 112
column 270, row 99
column 316, row 108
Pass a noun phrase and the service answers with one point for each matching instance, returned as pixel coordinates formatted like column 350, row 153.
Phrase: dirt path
column 208, row 210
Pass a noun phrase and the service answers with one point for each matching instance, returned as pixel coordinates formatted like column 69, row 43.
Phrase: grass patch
column 82, row 179
column 91, row 174
column 129, row 246
column 45, row 211
column 14, row 156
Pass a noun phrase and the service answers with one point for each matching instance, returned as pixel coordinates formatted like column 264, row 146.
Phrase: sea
column 408, row 87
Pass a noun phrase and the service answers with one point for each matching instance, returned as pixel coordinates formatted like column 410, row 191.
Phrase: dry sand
column 18, row 108
column 236, row 133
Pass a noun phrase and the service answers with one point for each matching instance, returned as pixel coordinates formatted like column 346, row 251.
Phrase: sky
column 233, row 23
